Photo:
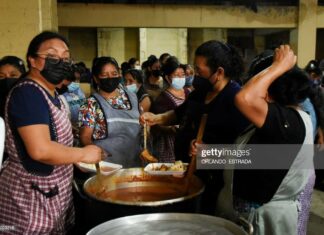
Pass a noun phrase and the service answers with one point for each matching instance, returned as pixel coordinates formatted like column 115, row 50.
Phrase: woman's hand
column 148, row 118
column 165, row 119
column 92, row 154
column 284, row 58
column 193, row 147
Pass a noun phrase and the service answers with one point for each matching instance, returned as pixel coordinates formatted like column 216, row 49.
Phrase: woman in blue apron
column 110, row 118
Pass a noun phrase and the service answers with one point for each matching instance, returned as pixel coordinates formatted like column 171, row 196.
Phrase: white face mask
column 178, row 83
column 132, row 88
column 138, row 67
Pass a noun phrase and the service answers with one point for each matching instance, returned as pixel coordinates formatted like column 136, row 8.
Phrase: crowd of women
column 51, row 125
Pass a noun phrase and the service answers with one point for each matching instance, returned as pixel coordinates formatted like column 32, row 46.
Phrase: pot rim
column 150, row 203
column 152, row 217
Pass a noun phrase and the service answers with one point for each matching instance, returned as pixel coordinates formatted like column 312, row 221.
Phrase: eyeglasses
column 55, row 59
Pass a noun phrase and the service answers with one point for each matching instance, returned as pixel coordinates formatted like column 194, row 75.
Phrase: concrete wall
column 198, row 36
column 305, row 18
column 307, row 21
column 119, row 43
column 175, row 16
column 131, row 43
column 83, row 43
column 155, row 41
column 21, row 20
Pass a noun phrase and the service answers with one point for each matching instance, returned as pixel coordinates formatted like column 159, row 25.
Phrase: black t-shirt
column 224, row 122
column 282, row 126
column 141, row 94
column 27, row 106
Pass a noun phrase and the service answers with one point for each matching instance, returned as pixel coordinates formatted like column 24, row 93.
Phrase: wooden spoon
column 98, row 168
column 98, row 180
column 192, row 164
column 145, row 154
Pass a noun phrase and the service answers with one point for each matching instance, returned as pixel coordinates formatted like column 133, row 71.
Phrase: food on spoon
column 147, row 156
column 106, row 168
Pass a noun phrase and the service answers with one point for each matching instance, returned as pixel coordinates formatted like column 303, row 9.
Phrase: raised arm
column 253, row 97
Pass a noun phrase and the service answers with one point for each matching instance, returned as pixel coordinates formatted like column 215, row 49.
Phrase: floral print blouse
column 91, row 115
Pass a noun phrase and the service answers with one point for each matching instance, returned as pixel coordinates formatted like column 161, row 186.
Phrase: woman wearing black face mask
column 36, row 179
column 217, row 65
column 109, row 118
column 153, row 82
column 11, row 69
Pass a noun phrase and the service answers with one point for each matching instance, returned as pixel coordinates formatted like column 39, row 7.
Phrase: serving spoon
column 145, row 154
column 192, row 164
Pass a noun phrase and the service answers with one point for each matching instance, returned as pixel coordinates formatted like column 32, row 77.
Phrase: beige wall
column 156, row 41
column 21, row 20
column 179, row 16
column 197, row 36
column 119, row 43
column 306, row 42
column 305, row 18
column 131, row 43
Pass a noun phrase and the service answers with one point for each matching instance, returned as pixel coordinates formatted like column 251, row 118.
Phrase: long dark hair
column 99, row 62
column 219, row 54
column 136, row 74
column 170, row 65
column 291, row 88
column 14, row 61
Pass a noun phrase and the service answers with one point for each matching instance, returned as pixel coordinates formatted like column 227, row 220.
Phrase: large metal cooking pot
column 132, row 191
column 168, row 223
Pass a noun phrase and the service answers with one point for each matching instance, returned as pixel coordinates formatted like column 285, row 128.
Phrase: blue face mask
column 189, row 80
column 178, row 83
column 132, row 88
column 73, row 86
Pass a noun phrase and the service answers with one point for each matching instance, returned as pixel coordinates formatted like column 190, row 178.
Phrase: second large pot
column 132, row 191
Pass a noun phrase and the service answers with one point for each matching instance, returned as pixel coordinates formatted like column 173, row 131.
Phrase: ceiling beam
column 188, row 16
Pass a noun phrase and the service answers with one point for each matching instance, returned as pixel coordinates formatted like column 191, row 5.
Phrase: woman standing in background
column 153, row 82
column 11, row 68
column 134, row 83
column 169, row 99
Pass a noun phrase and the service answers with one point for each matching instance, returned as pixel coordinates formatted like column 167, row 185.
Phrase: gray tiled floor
column 316, row 220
